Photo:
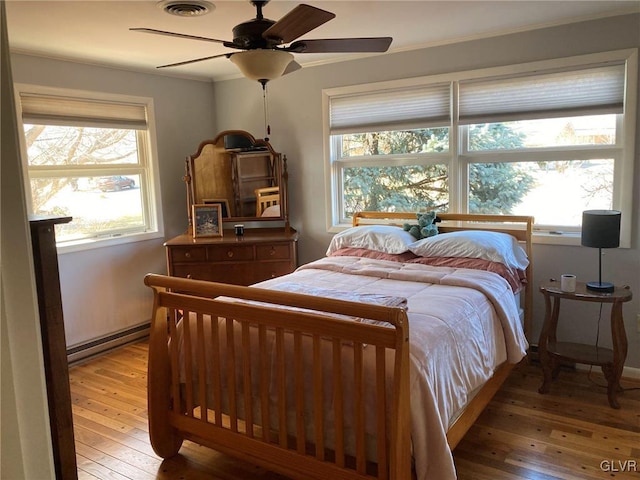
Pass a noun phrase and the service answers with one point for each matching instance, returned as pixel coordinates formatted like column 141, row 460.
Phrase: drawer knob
column 188, row 276
column 272, row 252
column 230, row 253
column 188, row 254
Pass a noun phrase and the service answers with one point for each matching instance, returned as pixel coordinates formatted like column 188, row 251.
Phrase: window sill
column 564, row 238
column 92, row 244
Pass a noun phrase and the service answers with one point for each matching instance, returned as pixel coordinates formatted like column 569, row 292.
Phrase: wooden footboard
column 297, row 390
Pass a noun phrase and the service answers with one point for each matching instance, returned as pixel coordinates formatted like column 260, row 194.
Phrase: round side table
column 551, row 351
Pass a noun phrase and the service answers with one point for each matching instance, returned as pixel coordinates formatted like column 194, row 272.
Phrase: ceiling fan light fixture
column 262, row 64
column 187, row 8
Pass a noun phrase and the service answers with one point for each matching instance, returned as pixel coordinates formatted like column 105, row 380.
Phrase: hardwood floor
column 569, row 433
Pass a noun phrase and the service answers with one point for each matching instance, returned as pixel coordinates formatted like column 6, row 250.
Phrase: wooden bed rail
column 257, row 380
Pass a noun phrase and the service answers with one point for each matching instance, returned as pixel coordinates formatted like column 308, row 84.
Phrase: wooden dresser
column 258, row 255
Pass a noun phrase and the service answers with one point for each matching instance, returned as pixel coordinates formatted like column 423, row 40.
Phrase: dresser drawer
column 230, row 253
column 276, row 251
column 243, row 273
column 188, row 254
column 267, row 270
column 196, row 271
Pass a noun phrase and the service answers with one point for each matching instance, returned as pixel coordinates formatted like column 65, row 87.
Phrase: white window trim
column 623, row 200
column 152, row 180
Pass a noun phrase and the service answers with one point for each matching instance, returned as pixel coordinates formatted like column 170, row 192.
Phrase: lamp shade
column 601, row 228
column 262, row 64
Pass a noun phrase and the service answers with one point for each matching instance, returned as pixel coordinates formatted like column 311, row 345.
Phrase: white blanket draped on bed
column 463, row 324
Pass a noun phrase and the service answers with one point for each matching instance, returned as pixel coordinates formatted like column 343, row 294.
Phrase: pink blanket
column 515, row 277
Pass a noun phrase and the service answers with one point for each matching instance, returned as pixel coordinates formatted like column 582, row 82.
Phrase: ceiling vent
column 187, row 8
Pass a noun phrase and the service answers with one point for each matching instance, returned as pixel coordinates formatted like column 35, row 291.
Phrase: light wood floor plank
column 522, row 435
column 114, row 464
column 88, row 469
column 97, row 407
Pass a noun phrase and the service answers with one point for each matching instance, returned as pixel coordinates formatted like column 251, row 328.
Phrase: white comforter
column 463, row 323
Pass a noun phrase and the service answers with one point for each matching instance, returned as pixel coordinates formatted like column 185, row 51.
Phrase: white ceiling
column 97, row 31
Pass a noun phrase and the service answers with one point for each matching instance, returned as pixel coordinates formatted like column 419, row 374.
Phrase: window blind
column 406, row 108
column 66, row 111
column 587, row 91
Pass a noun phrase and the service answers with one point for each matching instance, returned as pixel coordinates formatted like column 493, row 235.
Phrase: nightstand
column 551, row 351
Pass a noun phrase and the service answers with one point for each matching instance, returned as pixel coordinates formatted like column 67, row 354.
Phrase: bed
column 372, row 362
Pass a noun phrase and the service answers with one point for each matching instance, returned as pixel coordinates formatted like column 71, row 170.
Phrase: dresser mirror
column 244, row 174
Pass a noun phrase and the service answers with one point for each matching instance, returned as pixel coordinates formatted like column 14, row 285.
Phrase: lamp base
column 601, row 287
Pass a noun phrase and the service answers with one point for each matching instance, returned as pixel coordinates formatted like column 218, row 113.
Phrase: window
column 91, row 159
column 390, row 149
column 548, row 139
column 571, row 158
column 557, row 137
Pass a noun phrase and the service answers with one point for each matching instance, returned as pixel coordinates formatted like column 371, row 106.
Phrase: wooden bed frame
column 297, row 336
column 265, row 198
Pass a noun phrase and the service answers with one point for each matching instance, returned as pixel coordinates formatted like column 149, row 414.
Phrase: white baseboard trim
column 102, row 344
column 631, row 372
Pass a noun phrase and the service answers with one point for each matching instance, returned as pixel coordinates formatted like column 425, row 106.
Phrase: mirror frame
column 218, row 141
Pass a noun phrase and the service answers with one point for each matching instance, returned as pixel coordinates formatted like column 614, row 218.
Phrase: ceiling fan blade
column 180, row 35
column 337, row 45
column 186, row 62
column 297, row 22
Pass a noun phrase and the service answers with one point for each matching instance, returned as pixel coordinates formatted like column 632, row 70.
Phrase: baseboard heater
column 108, row 342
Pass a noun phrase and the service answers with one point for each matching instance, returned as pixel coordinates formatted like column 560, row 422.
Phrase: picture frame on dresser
column 207, row 220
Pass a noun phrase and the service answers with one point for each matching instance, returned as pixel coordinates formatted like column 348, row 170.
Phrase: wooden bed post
column 400, row 448
column 164, row 439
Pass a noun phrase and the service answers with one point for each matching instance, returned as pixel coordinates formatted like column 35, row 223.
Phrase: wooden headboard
column 519, row 226
column 265, row 198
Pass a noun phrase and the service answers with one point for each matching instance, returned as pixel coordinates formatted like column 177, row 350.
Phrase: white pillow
column 493, row 246
column 381, row 238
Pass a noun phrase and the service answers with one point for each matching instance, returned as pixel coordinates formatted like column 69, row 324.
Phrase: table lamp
column 600, row 229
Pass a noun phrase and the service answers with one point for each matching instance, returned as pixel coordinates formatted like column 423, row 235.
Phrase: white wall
column 296, row 121
column 102, row 289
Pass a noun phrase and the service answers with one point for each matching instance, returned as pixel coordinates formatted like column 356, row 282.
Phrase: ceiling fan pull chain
column 265, row 102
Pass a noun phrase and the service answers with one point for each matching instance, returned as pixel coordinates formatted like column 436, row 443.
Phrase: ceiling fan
column 263, row 55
